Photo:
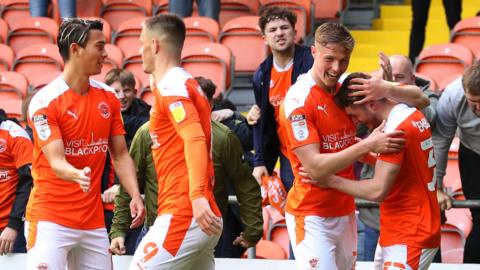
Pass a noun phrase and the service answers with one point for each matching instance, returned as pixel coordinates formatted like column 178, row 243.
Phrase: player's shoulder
column 398, row 115
column 297, row 93
column 174, row 83
column 47, row 94
column 13, row 129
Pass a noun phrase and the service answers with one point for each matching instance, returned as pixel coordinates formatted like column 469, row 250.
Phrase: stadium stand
column 11, row 10
column 127, row 36
column 200, row 30
column 118, row 11
column 328, row 9
column 29, row 31
column 40, row 81
column 38, row 59
column 13, row 86
column 3, row 30
column 107, row 29
column 133, row 62
column 13, row 108
column 230, row 9
column 6, row 57
column 467, row 33
column 452, row 244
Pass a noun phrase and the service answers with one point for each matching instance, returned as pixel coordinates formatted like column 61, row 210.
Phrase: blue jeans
column 142, row 234
column 207, row 8
column 39, row 8
column 371, row 240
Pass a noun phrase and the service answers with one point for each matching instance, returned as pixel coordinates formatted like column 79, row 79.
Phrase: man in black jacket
column 270, row 84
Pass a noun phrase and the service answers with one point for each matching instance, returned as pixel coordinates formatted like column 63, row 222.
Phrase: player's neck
column 283, row 58
column 76, row 80
column 162, row 66
column 384, row 108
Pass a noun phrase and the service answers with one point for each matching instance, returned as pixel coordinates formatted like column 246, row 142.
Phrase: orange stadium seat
column 461, row 218
column 39, row 82
column 13, row 85
column 269, row 250
column 127, row 37
column 3, row 30
column 230, row 9
column 6, row 57
column 328, row 9
column 467, row 33
column 28, row 31
column 114, row 60
column 452, row 244
column 243, row 37
column 118, row 11
column 133, row 62
column 38, row 59
column 302, row 8
column 278, row 234
column 107, row 29
column 147, row 96
column 200, row 30
column 12, row 10
column 447, row 80
column 212, row 61
column 437, row 60
column 13, row 108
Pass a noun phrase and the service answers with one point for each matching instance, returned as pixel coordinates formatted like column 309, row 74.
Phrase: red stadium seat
column 452, row 244
column 461, row 218
column 447, row 80
column 13, row 108
column 118, row 11
column 6, row 57
column 467, row 33
column 127, row 37
column 328, row 9
column 133, row 62
column 269, row 250
column 278, row 234
column 437, row 60
column 13, row 85
column 12, row 10
column 239, row 34
column 3, row 30
column 39, row 82
column 35, row 60
column 114, row 60
column 147, row 96
column 200, row 30
column 28, row 31
column 230, row 9
column 212, row 61
column 302, row 8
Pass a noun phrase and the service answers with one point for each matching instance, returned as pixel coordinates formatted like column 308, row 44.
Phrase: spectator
column 453, row 10
column 270, row 84
column 39, row 8
column 459, row 108
column 207, row 8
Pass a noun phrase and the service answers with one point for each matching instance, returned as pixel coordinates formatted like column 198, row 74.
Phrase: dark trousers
column 232, row 227
column 469, row 173
column 453, row 11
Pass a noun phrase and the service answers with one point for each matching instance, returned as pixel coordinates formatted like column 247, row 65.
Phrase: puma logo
column 73, row 114
column 322, row 108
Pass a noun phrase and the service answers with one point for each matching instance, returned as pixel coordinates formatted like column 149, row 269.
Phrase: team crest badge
column 104, row 110
column 3, row 145
column 178, row 111
column 313, row 263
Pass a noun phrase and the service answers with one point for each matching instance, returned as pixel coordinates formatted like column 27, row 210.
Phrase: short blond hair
column 334, row 33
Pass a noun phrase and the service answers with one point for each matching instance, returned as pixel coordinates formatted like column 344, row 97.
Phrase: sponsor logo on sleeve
column 104, row 110
column 41, row 126
column 3, row 145
column 178, row 111
column 299, row 126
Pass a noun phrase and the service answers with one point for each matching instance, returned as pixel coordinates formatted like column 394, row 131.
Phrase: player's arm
column 125, row 169
column 376, row 89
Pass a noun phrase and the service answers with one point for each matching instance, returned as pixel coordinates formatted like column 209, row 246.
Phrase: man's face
column 92, row 57
column 362, row 114
column 330, row 62
column 146, row 52
column 279, row 35
column 125, row 93
column 402, row 73
column 474, row 102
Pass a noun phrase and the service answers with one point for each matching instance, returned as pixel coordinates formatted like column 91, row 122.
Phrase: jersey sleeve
column 395, row 158
column 45, row 125
column 117, row 122
column 22, row 150
column 299, row 127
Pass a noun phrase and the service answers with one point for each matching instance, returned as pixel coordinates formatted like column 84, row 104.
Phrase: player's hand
column 83, row 178
column 259, row 172
column 117, row 245
column 444, row 200
column 108, row 195
column 137, row 211
column 205, row 218
column 371, row 89
column 381, row 142
column 7, row 239
column 306, row 179
column 253, row 115
column 221, row 115
column 240, row 240
column 385, row 66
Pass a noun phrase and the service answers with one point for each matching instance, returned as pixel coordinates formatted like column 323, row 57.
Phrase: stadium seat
column 147, row 96
column 114, row 60
column 42, row 80
column 3, row 30
column 6, row 57
column 13, row 85
column 269, row 250
column 212, row 61
column 461, row 218
column 127, row 37
column 200, row 30
column 328, row 9
column 243, row 37
column 88, row 8
column 118, row 11
column 230, row 9
column 452, row 176
column 133, row 62
column 467, row 33
column 12, row 10
column 446, row 81
column 28, row 31
column 452, row 244
column 278, row 234
column 302, row 8
column 437, row 60
column 107, row 29
column 13, row 108
column 160, row 6
column 39, row 59
column 433, row 85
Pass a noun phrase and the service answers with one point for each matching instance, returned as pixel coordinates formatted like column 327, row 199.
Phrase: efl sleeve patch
column 178, row 111
column 299, row 127
column 41, row 126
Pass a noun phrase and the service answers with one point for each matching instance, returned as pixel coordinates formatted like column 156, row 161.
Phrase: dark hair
column 274, row 13
column 342, row 99
column 225, row 104
column 123, row 76
column 207, row 86
column 75, row 30
column 471, row 79
column 334, row 33
column 171, row 28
